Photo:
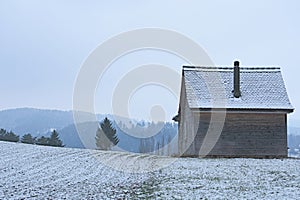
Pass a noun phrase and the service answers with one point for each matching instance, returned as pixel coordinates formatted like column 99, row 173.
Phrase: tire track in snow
column 135, row 163
column 39, row 163
column 84, row 175
column 56, row 166
column 70, row 173
column 54, row 173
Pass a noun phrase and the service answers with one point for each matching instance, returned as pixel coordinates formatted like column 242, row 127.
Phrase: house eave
column 244, row 110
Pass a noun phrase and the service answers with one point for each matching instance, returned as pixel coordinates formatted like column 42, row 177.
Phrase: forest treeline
column 153, row 138
column 53, row 140
column 139, row 137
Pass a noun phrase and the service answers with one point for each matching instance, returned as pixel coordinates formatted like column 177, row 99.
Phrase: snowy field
column 37, row 172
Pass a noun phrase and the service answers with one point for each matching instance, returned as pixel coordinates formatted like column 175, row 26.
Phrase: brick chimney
column 236, row 78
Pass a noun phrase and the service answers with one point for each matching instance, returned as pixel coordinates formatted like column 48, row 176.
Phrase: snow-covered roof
column 212, row 87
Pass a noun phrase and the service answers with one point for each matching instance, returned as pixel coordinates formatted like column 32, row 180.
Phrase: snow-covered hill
column 37, row 172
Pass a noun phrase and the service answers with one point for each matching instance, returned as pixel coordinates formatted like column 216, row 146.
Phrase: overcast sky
column 44, row 43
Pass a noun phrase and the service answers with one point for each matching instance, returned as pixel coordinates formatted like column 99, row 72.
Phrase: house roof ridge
column 261, row 87
column 225, row 68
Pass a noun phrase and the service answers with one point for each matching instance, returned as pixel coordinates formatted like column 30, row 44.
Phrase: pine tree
column 169, row 146
column 28, row 139
column 106, row 136
column 142, row 145
column 54, row 140
column 2, row 134
column 163, row 146
column 42, row 141
column 8, row 136
column 158, row 148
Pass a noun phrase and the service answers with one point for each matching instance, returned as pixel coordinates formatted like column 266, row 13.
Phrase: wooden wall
column 262, row 135
column 187, row 126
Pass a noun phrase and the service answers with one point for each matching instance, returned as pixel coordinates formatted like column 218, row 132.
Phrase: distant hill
column 70, row 137
column 294, row 130
column 294, row 141
column 294, row 122
column 40, row 122
column 35, row 121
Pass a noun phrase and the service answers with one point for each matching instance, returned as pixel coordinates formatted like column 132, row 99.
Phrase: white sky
column 44, row 43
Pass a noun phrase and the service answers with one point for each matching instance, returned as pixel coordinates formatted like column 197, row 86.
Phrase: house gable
column 222, row 115
column 261, row 88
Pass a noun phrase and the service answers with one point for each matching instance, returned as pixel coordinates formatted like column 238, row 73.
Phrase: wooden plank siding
column 258, row 135
column 187, row 127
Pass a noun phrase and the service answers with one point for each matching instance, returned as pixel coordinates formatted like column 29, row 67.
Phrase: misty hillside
column 38, row 172
column 34, row 121
column 70, row 137
column 39, row 122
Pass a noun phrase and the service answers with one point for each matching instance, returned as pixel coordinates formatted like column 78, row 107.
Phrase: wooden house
column 233, row 112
